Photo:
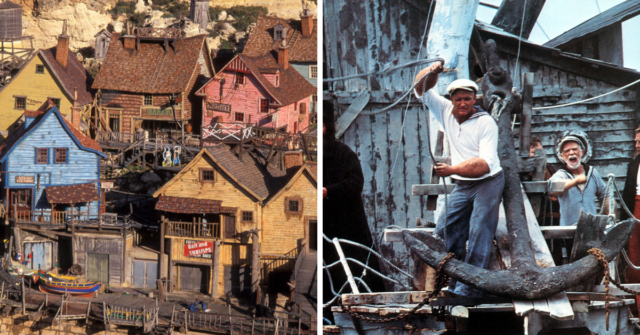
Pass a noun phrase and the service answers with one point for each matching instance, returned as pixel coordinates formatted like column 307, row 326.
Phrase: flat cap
column 462, row 84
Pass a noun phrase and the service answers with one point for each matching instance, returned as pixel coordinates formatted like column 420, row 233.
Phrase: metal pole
column 352, row 282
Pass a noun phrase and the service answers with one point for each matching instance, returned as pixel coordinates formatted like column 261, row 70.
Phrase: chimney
column 62, row 50
column 129, row 40
column 307, row 22
column 76, row 115
column 283, row 55
column 293, row 159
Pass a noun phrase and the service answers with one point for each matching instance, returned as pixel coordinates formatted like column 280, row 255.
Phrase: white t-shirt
column 476, row 137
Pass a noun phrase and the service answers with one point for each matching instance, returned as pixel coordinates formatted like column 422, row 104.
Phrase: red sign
column 197, row 249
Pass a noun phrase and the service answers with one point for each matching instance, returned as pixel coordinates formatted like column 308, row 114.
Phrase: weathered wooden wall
column 609, row 121
column 102, row 244
column 362, row 37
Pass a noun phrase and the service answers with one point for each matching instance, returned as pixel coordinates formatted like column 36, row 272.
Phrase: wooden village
column 222, row 235
column 362, row 44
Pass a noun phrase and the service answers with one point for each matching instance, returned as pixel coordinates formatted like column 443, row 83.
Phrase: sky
column 559, row 16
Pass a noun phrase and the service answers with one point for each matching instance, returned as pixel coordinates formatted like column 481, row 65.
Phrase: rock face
column 82, row 25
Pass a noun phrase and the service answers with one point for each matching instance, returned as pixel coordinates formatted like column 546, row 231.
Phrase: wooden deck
column 307, row 284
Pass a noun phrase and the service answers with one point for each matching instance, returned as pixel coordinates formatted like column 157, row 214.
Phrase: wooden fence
column 281, row 323
column 126, row 316
column 49, row 217
column 193, row 229
column 116, row 137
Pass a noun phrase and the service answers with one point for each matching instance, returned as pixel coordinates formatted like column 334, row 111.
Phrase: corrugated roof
column 303, row 49
column 150, row 69
column 619, row 13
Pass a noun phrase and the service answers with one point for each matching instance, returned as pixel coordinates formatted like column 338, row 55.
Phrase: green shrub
column 226, row 44
column 243, row 15
column 177, row 8
column 138, row 19
column 214, row 11
column 162, row 2
column 123, row 7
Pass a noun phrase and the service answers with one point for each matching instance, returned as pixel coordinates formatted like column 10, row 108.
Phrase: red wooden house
column 262, row 91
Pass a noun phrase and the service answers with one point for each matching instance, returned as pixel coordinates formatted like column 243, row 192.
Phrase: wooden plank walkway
column 307, row 284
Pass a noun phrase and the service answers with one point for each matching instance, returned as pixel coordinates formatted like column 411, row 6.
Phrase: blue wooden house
column 50, row 170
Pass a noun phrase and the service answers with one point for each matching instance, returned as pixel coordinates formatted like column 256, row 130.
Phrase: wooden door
column 145, row 273
column 20, row 200
column 193, row 278
column 98, row 267
column 237, row 279
column 313, row 235
column 229, row 226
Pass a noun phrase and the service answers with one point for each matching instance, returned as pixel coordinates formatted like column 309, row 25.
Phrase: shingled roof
column 48, row 107
column 150, row 69
column 72, row 194
column 302, row 49
column 73, row 77
column 250, row 172
column 193, row 206
column 293, row 87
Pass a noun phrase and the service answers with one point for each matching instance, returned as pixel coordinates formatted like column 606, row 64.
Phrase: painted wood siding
column 246, row 99
column 303, row 69
column 36, row 87
column 281, row 231
column 610, row 121
column 104, row 244
column 230, row 254
column 131, row 104
column 81, row 167
column 224, row 188
column 358, row 38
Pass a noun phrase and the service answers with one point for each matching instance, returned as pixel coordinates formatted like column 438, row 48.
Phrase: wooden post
column 253, row 323
column 193, row 227
column 215, row 270
column 299, row 319
column 230, row 323
column 23, row 307
column 170, row 267
column 161, row 260
column 255, row 265
column 124, row 252
column 186, row 327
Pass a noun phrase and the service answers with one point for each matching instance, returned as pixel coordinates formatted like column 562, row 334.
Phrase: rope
column 585, row 100
column 600, row 257
column 385, row 71
column 626, row 258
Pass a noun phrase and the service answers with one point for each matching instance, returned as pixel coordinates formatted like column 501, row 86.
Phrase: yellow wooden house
column 53, row 73
column 220, row 197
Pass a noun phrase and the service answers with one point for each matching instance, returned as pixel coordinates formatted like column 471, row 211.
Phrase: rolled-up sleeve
column 437, row 104
column 488, row 147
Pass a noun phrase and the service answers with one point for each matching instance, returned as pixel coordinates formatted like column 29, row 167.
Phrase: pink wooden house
column 263, row 91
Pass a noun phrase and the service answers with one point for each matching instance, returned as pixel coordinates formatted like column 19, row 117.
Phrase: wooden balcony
column 228, row 132
column 76, row 220
column 60, row 218
column 193, row 229
column 116, row 138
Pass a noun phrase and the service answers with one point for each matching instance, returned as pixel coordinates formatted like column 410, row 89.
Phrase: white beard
column 574, row 166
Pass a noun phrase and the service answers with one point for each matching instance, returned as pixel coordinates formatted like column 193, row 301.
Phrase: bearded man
column 583, row 184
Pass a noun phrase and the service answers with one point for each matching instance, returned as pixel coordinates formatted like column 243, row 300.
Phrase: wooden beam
column 549, row 232
column 512, row 15
column 432, row 201
column 527, row 112
column 589, row 234
column 529, row 187
column 345, row 120
column 216, row 269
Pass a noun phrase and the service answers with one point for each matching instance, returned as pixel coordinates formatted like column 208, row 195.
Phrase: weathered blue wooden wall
column 82, row 166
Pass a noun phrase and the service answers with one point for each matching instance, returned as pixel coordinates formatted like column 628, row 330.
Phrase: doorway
column 98, row 267
column 21, row 200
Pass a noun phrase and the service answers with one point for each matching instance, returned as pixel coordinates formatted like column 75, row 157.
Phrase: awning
column 72, row 194
column 193, row 206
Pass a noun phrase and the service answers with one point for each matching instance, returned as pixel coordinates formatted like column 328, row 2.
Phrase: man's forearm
column 472, row 168
column 432, row 80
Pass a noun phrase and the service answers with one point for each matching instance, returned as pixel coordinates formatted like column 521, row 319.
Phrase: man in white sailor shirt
column 472, row 208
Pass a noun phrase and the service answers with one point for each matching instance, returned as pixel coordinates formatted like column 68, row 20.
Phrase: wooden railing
column 48, row 217
column 281, row 323
column 285, row 263
column 193, row 229
column 112, row 136
column 228, row 132
column 119, row 315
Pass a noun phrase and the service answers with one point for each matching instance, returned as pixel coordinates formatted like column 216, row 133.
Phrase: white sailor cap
column 462, row 84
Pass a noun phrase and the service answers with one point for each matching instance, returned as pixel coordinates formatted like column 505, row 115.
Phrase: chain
column 600, row 257
column 440, row 281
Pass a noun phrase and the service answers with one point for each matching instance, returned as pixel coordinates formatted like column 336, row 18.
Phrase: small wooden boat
column 49, row 284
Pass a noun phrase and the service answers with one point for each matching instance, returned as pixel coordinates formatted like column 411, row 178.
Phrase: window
column 278, row 32
column 303, row 108
column 207, row 175
column 61, row 155
column 56, row 102
column 295, row 106
column 148, row 100
column 293, row 205
column 40, row 69
column 277, row 81
column 247, row 216
column 239, row 117
column 42, row 155
column 313, row 71
column 264, row 105
column 21, row 103
column 239, row 78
